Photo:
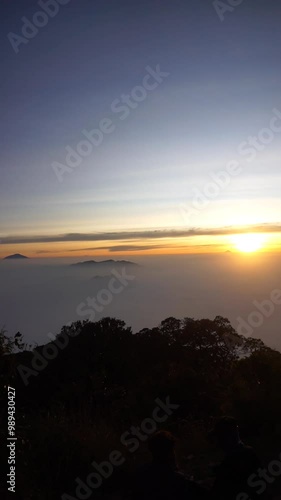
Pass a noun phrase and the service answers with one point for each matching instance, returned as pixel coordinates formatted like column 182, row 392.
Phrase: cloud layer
column 137, row 235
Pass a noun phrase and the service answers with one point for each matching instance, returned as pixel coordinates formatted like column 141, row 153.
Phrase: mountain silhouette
column 15, row 256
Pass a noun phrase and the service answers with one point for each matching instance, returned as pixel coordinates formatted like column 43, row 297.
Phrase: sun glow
column 250, row 242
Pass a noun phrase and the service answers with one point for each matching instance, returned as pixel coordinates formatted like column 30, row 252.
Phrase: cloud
column 137, row 235
column 118, row 248
column 132, row 248
column 43, row 251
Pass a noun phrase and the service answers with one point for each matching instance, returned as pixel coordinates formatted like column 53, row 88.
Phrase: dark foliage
column 107, row 379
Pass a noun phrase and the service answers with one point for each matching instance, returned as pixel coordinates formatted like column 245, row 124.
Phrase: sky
column 185, row 106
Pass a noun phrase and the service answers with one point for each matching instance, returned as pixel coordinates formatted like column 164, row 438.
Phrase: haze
column 39, row 296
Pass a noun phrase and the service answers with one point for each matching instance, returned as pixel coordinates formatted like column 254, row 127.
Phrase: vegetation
column 75, row 409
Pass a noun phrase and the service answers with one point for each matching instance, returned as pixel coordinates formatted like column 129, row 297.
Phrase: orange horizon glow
column 250, row 242
column 236, row 243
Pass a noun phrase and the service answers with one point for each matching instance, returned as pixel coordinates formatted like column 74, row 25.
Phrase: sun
column 249, row 242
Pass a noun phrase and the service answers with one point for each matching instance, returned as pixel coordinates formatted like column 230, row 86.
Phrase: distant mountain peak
column 15, row 256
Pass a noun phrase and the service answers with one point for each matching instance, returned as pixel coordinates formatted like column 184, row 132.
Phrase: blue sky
column 223, row 83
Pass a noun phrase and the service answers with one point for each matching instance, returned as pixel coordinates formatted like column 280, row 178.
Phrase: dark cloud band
column 141, row 235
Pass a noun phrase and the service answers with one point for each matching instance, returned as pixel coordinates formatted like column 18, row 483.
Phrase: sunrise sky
column 219, row 103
